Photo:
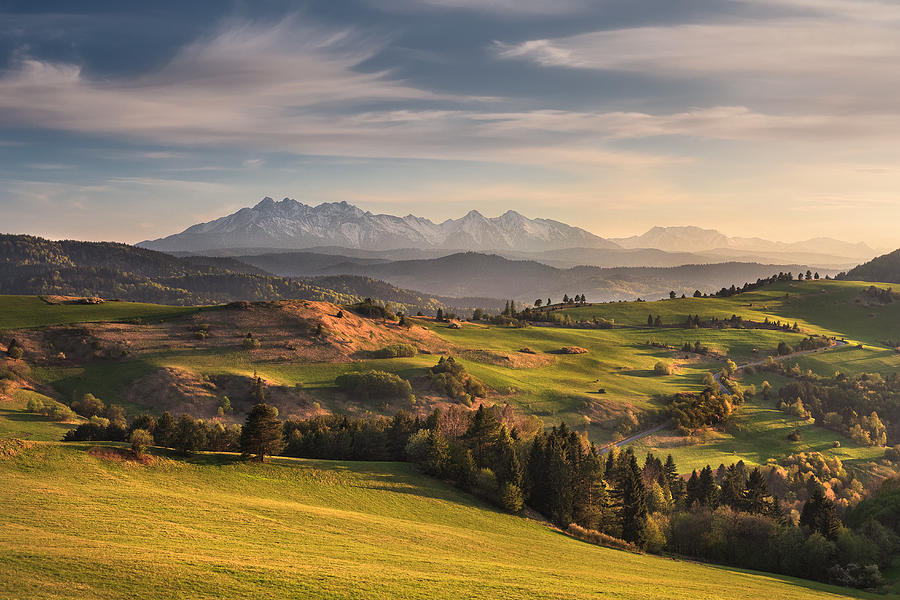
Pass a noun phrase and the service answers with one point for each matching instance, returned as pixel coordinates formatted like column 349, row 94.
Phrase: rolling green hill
column 84, row 524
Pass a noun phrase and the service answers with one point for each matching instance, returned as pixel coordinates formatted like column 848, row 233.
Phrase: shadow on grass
column 806, row 584
column 639, row 373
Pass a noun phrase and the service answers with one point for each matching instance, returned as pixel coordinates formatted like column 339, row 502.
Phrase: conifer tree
column 707, row 490
column 634, row 505
column 819, row 516
column 756, row 495
column 262, row 432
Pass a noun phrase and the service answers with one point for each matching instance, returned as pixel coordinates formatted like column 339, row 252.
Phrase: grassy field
column 620, row 361
column 758, row 432
column 17, row 312
column 81, row 526
column 828, row 307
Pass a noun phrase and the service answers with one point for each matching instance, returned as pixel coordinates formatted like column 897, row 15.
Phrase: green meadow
column 18, row 312
column 827, row 307
column 16, row 422
column 619, row 361
column 83, row 526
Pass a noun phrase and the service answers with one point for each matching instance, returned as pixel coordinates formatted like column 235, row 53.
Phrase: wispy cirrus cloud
column 245, row 81
column 806, row 56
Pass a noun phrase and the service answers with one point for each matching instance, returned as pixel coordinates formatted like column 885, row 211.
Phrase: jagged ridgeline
column 33, row 265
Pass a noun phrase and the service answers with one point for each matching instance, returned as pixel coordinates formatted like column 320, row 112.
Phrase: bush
column 485, row 484
column 662, row 368
column 395, row 351
column 511, row 497
column 140, row 440
column 376, row 385
column 50, row 408
column 250, row 342
column 601, row 539
column 572, row 350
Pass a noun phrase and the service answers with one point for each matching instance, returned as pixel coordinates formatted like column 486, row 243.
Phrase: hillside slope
column 209, row 527
column 883, row 268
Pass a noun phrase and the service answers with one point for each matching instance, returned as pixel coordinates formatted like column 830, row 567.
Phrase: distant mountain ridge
column 696, row 239
column 473, row 274
column 289, row 224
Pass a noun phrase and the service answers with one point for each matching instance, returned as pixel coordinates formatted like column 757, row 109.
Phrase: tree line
column 728, row 516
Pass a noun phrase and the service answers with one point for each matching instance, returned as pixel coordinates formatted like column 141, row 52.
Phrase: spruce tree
column 692, row 488
column 707, row 491
column 819, row 516
column 756, row 495
column 634, row 505
column 262, row 432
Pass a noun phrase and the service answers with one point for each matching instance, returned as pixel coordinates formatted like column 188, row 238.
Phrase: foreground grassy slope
column 78, row 526
column 18, row 312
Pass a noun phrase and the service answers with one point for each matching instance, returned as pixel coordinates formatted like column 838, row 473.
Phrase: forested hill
column 33, row 265
column 884, row 268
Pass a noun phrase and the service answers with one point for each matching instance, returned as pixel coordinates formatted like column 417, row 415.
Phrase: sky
column 125, row 120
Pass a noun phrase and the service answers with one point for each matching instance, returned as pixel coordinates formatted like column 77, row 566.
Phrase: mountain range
column 696, row 239
column 289, row 224
column 341, row 228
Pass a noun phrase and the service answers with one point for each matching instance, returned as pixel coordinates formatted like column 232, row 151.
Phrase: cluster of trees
column 578, row 299
column 185, row 434
column 813, row 342
column 695, row 348
column 691, row 411
column 451, row 378
column 564, row 319
column 376, row 386
column 395, row 351
column 373, row 310
column 749, row 287
column 693, row 322
column 865, row 407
